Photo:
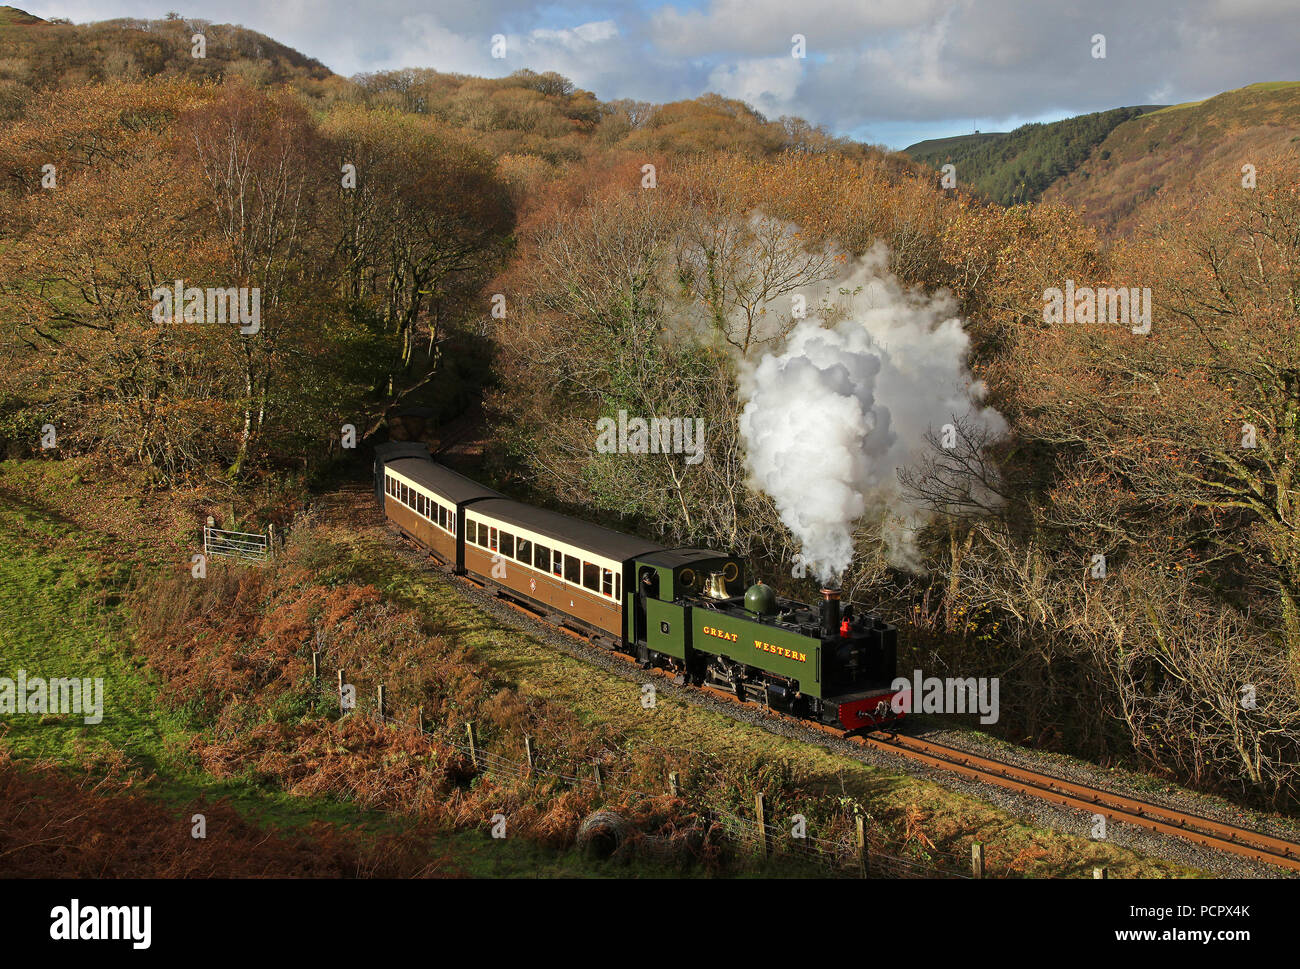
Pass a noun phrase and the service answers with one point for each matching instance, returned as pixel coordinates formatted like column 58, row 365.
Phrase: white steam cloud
column 830, row 421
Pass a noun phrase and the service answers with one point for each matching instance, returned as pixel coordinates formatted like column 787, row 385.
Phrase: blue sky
column 884, row 71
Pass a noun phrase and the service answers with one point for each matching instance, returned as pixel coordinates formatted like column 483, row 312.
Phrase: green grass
column 61, row 618
column 61, row 615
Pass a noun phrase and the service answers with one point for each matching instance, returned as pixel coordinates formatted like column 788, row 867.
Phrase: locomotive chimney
column 830, row 613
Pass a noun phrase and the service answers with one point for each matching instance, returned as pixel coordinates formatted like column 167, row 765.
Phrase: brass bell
column 717, row 586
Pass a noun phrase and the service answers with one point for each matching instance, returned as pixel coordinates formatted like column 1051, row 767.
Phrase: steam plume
column 829, row 421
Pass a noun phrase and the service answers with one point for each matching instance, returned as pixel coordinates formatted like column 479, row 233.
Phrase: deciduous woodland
column 123, row 170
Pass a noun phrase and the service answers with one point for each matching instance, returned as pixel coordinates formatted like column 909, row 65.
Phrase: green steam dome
column 760, row 599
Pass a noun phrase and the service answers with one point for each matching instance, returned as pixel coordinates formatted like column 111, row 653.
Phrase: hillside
column 1163, row 153
column 1010, row 168
column 935, row 149
column 12, row 16
column 534, row 122
column 38, row 55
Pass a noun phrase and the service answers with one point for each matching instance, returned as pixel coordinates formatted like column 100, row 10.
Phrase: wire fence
column 756, row 836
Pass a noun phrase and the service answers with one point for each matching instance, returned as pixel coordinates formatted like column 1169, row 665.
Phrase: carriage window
column 572, row 569
column 402, row 497
column 507, row 545
column 492, row 539
column 442, row 516
column 424, row 505
column 557, row 563
column 482, row 534
column 542, row 558
column 618, row 586
column 451, row 522
column 607, row 582
column 591, row 576
column 524, row 551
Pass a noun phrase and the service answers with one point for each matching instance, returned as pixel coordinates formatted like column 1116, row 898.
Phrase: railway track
column 1207, row 832
column 1199, row 830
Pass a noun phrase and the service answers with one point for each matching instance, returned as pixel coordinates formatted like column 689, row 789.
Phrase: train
column 687, row 611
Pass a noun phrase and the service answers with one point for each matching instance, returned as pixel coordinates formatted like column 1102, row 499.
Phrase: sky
column 889, row 72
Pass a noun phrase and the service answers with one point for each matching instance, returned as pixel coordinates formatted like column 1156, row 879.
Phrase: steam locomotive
column 686, row 610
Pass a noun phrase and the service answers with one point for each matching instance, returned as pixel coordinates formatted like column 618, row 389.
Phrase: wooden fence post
column 760, row 810
column 977, row 859
column 315, row 666
column 379, row 700
column 600, row 781
column 473, row 743
column 674, row 787
column 528, row 752
column 1099, row 873
column 341, row 710
column 864, row 862
column 419, row 719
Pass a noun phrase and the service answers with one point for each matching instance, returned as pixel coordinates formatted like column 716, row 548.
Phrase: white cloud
column 769, row 84
column 883, row 65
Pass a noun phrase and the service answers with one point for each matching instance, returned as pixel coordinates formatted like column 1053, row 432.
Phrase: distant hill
column 937, row 148
column 1018, row 166
column 36, row 54
column 1165, row 152
column 12, row 16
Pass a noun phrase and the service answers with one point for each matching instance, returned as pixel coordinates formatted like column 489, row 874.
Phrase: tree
column 426, row 225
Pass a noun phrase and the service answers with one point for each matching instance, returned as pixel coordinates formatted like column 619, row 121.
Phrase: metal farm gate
column 241, row 545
